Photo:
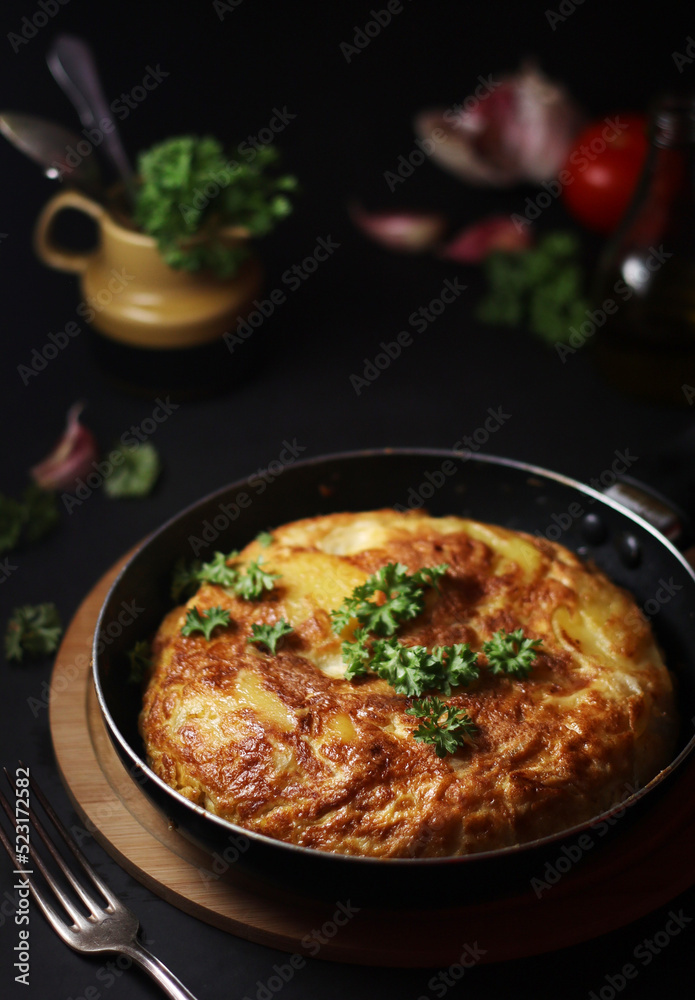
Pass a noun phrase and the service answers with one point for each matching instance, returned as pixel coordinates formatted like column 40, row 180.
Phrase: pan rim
column 527, row 847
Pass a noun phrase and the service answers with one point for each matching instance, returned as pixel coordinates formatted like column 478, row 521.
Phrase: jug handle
column 45, row 247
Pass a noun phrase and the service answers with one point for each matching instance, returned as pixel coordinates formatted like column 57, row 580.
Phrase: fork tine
column 56, row 920
column 108, row 895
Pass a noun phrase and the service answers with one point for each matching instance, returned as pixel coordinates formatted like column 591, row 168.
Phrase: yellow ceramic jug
column 133, row 298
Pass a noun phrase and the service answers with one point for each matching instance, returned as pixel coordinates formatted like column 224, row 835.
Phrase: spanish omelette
column 285, row 745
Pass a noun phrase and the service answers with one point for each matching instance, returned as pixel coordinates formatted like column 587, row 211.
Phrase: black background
column 353, row 121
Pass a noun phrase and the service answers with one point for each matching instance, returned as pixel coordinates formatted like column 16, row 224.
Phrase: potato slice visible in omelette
column 284, row 745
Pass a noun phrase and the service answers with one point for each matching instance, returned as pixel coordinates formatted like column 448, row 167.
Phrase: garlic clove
column 520, row 130
column 72, row 457
column 409, row 232
column 496, row 232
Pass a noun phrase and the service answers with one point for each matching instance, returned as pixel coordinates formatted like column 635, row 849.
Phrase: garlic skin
column 71, row 459
column 521, row 131
column 495, row 232
column 407, row 232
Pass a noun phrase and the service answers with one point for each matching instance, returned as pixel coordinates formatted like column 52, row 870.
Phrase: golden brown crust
column 285, row 746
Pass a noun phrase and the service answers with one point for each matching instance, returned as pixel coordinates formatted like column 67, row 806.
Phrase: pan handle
column 664, row 493
column 662, row 513
column 654, row 507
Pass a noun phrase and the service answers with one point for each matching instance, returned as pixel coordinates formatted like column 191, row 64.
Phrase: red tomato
column 604, row 166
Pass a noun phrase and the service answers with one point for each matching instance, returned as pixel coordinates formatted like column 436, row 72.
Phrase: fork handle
column 172, row 986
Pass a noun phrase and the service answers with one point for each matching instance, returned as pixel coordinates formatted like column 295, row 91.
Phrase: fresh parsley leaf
column 28, row 519
column 444, row 726
column 40, row 512
column 140, row 659
column 542, row 287
column 188, row 577
column 188, row 227
column 409, row 670
column 205, row 623
column 185, row 580
column 11, row 522
column 402, row 593
column 358, row 654
column 217, row 571
column 251, row 584
column 461, row 666
column 34, row 629
column 429, row 576
column 264, row 539
column 135, row 474
column 511, row 653
column 270, row 635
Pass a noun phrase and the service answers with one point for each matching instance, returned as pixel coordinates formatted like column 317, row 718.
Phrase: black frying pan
column 522, row 497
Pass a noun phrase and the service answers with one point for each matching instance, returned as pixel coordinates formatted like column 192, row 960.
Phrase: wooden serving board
column 631, row 874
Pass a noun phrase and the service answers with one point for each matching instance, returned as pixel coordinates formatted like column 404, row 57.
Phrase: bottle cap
column 672, row 120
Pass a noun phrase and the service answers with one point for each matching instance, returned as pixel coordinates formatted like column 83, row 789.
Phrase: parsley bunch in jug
column 202, row 205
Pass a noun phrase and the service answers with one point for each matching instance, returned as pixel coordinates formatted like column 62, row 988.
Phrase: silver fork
column 110, row 926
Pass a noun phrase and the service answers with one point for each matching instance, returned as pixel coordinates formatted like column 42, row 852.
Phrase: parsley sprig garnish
column 402, row 593
column 411, row 670
column 248, row 585
column 218, row 571
column 28, row 519
column 251, row 584
column 541, row 288
column 511, row 653
column 444, row 726
column 206, row 622
column 270, row 635
column 34, row 629
column 140, row 660
column 134, row 472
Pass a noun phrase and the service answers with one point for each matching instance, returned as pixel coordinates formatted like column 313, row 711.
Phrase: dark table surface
column 226, row 70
